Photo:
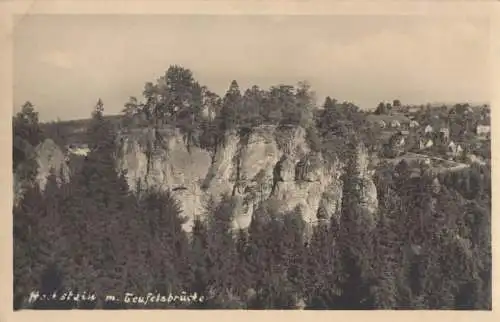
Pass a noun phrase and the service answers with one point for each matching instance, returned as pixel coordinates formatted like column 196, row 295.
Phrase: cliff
column 49, row 157
column 269, row 166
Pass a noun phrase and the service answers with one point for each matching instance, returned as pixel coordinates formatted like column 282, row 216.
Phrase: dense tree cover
column 427, row 246
column 178, row 100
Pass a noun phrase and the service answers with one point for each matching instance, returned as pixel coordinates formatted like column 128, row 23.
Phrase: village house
column 395, row 124
column 425, row 143
column 414, row 109
column 483, row 130
column 454, row 149
column 394, row 121
column 445, row 132
column 414, row 124
column 428, row 129
column 404, row 132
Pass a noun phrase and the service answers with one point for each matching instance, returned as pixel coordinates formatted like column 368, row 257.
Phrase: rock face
column 369, row 199
column 268, row 165
column 169, row 166
column 49, row 157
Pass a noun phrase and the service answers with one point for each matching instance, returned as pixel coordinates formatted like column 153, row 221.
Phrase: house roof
column 414, row 108
column 388, row 118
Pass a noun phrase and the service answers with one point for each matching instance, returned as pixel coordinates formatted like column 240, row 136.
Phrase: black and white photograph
column 251, row 162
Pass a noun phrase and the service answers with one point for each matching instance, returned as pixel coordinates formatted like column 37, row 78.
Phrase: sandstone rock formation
column 49, row 157
column 268, row 165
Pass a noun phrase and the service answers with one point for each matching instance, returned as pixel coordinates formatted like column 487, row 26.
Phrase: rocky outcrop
column 49, row 158
column 268, row 165
column 368, row 190
column 162, row 161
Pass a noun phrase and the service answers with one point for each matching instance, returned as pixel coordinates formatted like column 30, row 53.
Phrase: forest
column 428, row 248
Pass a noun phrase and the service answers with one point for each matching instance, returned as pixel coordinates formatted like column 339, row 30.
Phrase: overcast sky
column 64, row 63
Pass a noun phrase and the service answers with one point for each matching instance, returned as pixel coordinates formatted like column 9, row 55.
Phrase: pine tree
column 355, row 241
column 252, row 107
column 322, row 269
column 387, row 245
column 26, row 133
column 305, row 101
column 258, row 249
column 243, row 276
column 231, row 106
column 292, row 237
column 221, row 251
column 199, row 257
column 278, row 290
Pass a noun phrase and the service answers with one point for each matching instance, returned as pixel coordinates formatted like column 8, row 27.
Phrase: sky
column 64, row 63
